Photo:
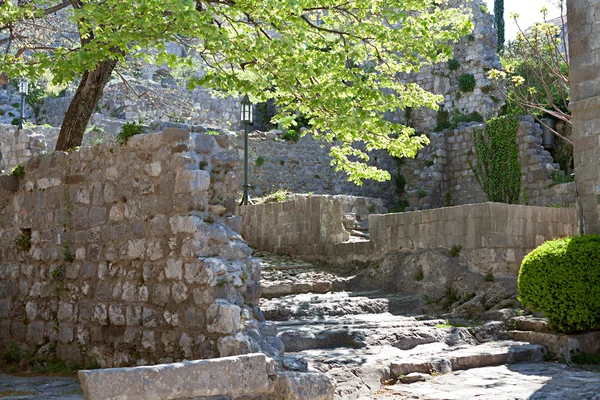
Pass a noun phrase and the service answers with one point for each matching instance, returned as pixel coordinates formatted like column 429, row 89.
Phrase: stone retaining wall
column 492, row 236
column 289, row 225
column 124, row 254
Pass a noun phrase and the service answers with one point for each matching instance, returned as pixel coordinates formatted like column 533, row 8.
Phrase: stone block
column 232, row 376
column 223, row 317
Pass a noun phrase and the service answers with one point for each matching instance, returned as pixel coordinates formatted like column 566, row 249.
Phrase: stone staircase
column 369, row 341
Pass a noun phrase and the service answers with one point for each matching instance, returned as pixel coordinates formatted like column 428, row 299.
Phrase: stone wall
column 492, row 236
column 537, row 168
column 125, row 254
column 303, row 167
column 159, row 102
column 18, row 147
column 584, row 51
column 304, row 221
column 475, row 54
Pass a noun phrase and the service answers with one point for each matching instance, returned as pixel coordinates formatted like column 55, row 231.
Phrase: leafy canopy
column 337, row 63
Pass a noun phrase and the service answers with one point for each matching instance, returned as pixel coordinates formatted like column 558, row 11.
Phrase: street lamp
column 23, row 91
column 246, row 119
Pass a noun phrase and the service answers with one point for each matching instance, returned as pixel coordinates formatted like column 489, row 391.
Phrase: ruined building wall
column 126, row 254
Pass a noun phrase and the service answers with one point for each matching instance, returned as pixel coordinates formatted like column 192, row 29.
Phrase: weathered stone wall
column 18, row 147
column 166, row 103
column 291, row 224
column 303, row 167
column 439, row 176
column 10, row 105
column 584, row 51
column 492, row 236
column 132, row 259
column 476, row 54
column 537, row 168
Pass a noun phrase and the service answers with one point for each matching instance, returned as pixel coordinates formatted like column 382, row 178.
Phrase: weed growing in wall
column 260, row 161
column 453, row 65
column 18, row 171
column 23, row 241
column 497, row 168
column 128, row 130
column 466, row 83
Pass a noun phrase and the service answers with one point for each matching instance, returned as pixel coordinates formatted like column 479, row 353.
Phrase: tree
column 336, row 63
column 499, row 23
column 535, row 79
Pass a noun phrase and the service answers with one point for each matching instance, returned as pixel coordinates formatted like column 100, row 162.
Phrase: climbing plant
column 497, row 167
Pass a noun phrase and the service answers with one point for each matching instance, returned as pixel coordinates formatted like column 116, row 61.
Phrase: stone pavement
column 39, row 387
column 506, row 382
column 361, row 339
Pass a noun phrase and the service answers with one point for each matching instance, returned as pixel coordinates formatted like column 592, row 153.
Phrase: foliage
column 421, row 193
column 12, row 353
column 23, row 241
column 559, row 177
column 336, row 64
column 419, row 275
column 15, row 121
column 561, row 278
column 455, row 250
column 586, row 359
column 453, row 64
column 473, row 116
column 260, row 161
column 489, row 276
column 499, row 23
column 128, row 130
column 442, row 120
column 497, row 168
column 448, row 200
column 291, row 135
column 483, row 8
column 18, row 171
column 535, row 75
column 466, row 83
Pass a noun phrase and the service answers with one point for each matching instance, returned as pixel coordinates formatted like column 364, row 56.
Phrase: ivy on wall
column 497, row 167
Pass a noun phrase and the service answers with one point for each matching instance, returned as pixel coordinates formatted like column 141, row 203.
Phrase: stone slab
column 229, row 376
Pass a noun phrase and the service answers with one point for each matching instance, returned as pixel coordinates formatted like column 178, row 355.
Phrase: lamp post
column 23, row 91
column 246, row 119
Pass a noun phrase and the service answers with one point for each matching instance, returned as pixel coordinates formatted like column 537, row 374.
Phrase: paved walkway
column 549, row 381
column 39, row 387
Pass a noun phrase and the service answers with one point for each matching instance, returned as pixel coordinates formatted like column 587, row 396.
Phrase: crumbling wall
column 126, row 254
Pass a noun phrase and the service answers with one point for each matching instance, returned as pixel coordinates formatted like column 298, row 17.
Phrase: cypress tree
column 499, row 22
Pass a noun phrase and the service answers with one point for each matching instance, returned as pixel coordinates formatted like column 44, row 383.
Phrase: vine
column 497, row 167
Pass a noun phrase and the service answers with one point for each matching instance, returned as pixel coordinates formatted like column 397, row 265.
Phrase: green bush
column 466, row 83
column 561, row 278
column 128, row 130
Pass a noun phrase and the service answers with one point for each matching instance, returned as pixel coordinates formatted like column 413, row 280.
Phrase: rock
column 303, row 386
column 414, row 377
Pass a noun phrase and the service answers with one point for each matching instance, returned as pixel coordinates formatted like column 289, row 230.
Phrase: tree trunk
column 82, row 106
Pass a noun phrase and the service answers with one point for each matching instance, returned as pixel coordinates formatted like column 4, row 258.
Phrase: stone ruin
column 129, row 255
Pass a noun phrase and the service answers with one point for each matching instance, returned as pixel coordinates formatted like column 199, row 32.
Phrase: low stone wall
column 289, row 225
column 125, row 255
column 492, row 236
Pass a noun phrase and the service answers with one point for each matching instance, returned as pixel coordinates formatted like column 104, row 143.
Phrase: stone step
column 321, row 305
column 277, row 283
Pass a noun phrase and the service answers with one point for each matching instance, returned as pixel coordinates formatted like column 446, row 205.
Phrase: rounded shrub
column 561, row 278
